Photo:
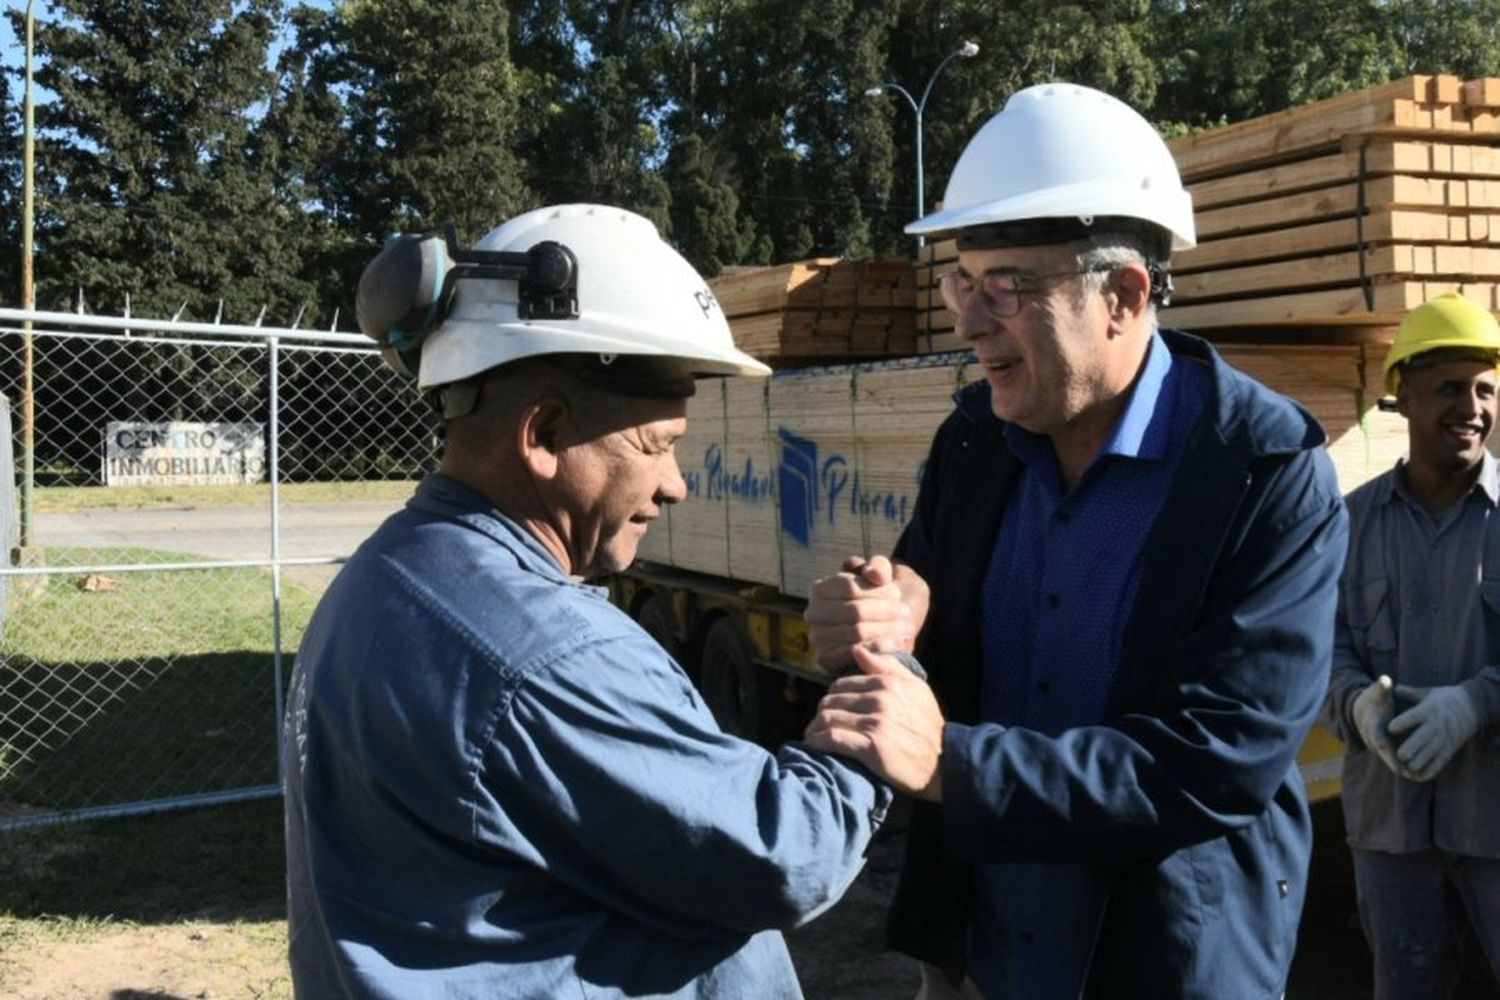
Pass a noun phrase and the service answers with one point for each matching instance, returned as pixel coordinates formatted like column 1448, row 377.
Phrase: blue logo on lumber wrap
column 806, row 486
column 798, row 478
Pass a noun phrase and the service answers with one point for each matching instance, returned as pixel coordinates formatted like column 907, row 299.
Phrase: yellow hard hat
column 1448, row 321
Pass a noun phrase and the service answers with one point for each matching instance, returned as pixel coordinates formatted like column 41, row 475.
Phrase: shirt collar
column 1131, row 438
column 1489, row 477
column 1487, row 483
column 447, row 497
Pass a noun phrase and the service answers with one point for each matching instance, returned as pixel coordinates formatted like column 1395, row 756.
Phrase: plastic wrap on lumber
column 789, row 477
column 742, row 478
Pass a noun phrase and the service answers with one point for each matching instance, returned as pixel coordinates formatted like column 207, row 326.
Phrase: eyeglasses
column 1002, row 290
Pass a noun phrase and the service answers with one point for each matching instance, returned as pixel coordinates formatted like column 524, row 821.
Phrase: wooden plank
column 1399, row 190
column 1262, row 142
column 1392, row 300
column 1380, row 226
column 1383, row 156
column 765, row 289
column 939, row 251
column 827, row 333
column 1394, row 260
column 1482, row 93
column 1393, row 103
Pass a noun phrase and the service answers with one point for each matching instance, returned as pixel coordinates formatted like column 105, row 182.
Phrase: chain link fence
column 183, row 494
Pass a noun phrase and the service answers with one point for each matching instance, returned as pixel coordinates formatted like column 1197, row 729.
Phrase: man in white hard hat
column 1415, row 691
column 1122, row 570
column 497, row 784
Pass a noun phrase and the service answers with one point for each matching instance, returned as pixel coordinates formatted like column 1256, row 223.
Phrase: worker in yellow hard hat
column 1415, row 688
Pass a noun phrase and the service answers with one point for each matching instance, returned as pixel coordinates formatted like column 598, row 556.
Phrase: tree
column 1461, row 37
column 594, row 100
column 142, row 153
column 1230, row 61
column 10, row 196
column 429, row 116
column 707, row 226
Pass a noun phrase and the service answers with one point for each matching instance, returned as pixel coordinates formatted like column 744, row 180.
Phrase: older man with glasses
column 1121, row 576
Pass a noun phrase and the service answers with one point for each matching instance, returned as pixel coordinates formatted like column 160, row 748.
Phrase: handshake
column 863, row 622
column 1417, row 742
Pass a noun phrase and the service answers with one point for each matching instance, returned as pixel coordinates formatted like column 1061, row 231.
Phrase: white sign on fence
column 182, row 453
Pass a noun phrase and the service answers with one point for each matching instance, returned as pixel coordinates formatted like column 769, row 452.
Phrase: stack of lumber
column 821, row 310
column 789, row 475
column 1343, row 213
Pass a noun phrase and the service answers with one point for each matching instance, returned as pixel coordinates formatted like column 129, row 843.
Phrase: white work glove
column 1440, row 723
column 1371, row 713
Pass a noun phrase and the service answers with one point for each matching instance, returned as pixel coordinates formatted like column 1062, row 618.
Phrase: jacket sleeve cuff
column 961, row 806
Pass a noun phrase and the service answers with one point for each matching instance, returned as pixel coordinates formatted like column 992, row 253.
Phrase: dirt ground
column 194, row 960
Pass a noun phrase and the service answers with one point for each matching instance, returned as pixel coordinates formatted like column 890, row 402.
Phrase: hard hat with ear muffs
column 569, row 279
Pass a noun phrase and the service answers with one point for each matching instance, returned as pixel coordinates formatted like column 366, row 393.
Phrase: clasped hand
column 887, row 719
column 864, row 604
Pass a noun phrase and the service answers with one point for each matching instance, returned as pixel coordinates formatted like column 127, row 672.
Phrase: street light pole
column 967, row 50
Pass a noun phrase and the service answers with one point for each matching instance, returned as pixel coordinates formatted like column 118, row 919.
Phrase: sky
column 12, row 52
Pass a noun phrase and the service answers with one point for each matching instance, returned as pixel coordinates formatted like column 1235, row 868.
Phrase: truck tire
column 738, row 692
column 653, row 616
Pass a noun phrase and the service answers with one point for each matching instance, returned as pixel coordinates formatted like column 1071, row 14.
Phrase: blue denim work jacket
column 499, row 786
column 1184, row 808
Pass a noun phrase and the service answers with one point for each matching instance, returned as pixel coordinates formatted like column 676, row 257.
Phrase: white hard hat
column 636, row 296
column 1059, row 150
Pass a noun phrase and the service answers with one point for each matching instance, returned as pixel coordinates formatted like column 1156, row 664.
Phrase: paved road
column 308, row 530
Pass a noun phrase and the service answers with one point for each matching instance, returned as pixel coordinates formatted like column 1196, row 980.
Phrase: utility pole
column 28, row 301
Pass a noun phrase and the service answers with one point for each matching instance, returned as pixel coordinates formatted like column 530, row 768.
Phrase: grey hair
column 1104, row 252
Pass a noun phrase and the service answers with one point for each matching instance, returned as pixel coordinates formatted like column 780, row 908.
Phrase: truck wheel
column 653, row 616
column 738, row 692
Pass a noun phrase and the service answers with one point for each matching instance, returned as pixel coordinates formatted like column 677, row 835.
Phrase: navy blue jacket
column 1186, row 802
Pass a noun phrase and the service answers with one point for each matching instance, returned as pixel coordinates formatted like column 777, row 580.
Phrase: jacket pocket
column 1489, row 591
column 1372, row 620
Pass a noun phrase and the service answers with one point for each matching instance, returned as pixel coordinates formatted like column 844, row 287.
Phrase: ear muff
column 407, row 289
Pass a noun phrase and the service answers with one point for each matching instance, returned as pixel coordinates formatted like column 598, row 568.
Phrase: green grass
column 70, row 499
column 219, row 863
column 153, row 877
column 162, row 686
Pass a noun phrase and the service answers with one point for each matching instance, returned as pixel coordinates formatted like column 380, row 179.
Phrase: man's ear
column 539, row 434
column 1129, row 292
column 1403, row 399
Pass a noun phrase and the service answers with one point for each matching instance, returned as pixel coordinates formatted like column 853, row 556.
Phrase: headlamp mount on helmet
column 407, row 289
